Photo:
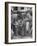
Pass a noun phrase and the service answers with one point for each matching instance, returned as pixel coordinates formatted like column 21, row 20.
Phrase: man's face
column 29, row 16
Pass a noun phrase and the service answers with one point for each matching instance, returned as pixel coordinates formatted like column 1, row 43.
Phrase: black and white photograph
column 21, row 22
